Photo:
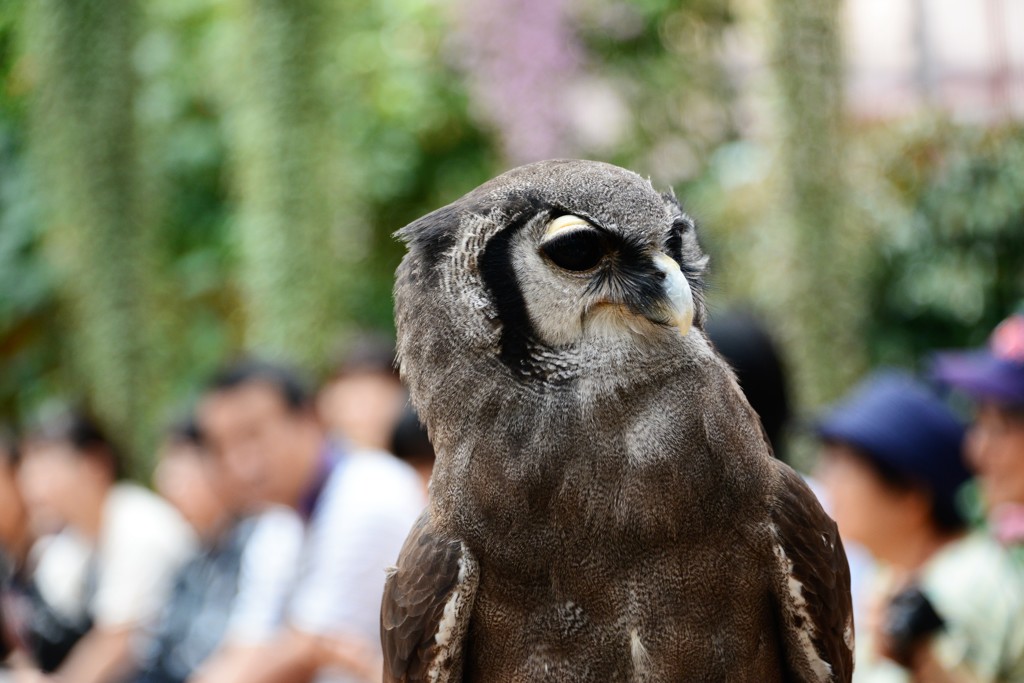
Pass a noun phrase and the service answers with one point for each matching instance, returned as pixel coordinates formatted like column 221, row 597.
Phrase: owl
column 604, row 506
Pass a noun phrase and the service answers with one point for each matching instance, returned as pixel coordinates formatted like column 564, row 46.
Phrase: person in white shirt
column 357, row 508
column 216, row 602
column 129, row 542
column 269, row 570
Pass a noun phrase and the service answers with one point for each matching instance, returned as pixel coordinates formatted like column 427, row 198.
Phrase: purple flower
column 521, row 56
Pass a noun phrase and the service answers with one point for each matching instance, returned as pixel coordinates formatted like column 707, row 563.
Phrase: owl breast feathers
column 604, row 505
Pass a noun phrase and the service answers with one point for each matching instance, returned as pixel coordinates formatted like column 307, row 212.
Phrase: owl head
column 548, row 267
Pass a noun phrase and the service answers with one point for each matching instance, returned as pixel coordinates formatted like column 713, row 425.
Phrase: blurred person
column 945, row 605
column 749, row 348
column 127, row 541
column 185, row 477
column 411, row 443
column 194, row 619
column 753, row 354
column 358, row 506
column 234, row 590
column 15, row 539
column 994, row 377
column 364, row 398
column 33, row 632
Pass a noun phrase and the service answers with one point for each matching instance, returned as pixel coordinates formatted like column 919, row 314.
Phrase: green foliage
column 397, row 141
column 408, row 140
column 99, row 230
column 949, row 257
column 283, row 166
column 215, row 175
column 29, row 350
column 823, row 294
column 662, row 59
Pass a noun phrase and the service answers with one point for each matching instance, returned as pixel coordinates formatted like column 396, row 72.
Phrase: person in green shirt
column 945, row 605
column 994, row 377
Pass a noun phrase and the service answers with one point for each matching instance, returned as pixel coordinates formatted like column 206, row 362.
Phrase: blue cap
column 995, row 372
column 896, row 421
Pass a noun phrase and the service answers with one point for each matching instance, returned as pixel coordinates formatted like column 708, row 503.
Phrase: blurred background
column 182, row 180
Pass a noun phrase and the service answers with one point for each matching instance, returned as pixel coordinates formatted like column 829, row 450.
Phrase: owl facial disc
column 624, row 280
column 677, row 290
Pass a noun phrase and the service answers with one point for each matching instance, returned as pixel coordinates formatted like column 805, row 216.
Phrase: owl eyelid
column 574, row 233
column 566, row 221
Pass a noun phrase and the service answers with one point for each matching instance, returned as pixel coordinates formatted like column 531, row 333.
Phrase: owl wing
column 428, row 598
column 813, row 587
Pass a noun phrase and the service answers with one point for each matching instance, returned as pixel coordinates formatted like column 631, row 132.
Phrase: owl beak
column 677, row 292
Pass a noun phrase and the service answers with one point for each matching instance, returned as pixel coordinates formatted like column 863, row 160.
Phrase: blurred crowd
column 259, row 553
column 924, row 475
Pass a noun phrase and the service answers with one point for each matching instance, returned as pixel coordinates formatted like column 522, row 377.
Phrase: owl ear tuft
column 432, row 235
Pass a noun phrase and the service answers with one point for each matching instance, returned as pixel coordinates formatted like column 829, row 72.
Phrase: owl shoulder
column 428, row 599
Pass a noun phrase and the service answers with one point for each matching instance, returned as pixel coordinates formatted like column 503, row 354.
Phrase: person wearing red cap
column 994, row 377
column 945, row 606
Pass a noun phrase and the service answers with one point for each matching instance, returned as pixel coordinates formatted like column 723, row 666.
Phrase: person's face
column 12, row 508
column 262, row 446
column 995, row 451
column 52, row 480
column 364, row 407
column 185, row 477
column 867, row 509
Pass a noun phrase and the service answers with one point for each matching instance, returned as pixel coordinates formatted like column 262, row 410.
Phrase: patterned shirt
column 194, row 620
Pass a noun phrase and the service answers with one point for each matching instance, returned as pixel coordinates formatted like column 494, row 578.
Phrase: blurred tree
column 823, row 303
column 948, row 260
column 99, row 230
column 638, row 83
column 29, row 337
column 401, row 116
column 654, row 95
column 283, row 151
column 235, row 174
column 182, row 142
column 521, row 57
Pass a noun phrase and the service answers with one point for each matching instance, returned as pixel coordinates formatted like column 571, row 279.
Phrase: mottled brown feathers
column 431, row 571
column 601, row 484
column 810, row 540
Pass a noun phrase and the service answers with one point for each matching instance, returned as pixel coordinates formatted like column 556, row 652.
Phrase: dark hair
column 747, row 346
column 288, row 384
column 945, row 513
column 83, row 432
column 10, row 455
column 184, row 431
column 409, row 440
column 1013, row 412
column 947, row 516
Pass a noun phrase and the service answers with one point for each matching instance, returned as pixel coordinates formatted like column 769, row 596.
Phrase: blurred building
column 964, row 58
column 902, row 57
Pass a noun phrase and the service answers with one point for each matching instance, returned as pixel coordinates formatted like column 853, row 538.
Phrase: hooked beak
column 677, row 292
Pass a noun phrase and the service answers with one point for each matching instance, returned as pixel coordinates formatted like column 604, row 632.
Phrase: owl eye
column 576, row 250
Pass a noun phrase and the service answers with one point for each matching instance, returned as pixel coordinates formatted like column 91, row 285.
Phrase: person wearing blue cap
column 892, row 466
column 994, row 377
